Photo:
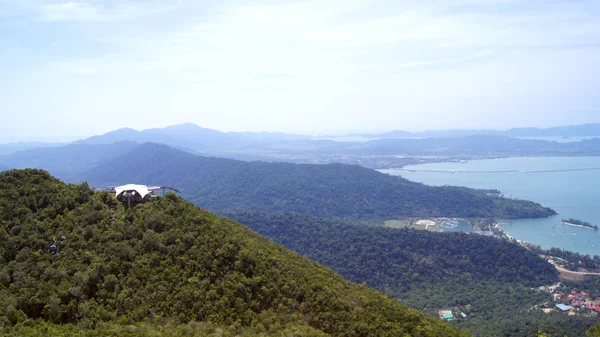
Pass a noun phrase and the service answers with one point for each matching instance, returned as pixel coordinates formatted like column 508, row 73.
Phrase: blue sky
column 70, row 69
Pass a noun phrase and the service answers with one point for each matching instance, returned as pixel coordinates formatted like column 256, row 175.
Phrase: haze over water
column 573, row 194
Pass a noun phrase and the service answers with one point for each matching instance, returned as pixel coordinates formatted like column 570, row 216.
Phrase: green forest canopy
column 489, row 279
column 332, row 191
column 167, row 268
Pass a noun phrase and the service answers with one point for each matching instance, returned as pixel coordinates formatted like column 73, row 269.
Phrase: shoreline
column 553, row 235
column 417, row 170
column 498, row 227
column 575, row 225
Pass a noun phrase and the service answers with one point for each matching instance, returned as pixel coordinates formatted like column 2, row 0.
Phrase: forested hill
column 400, row 259
column 335, row 190
column 491, row 280
column 167, row 268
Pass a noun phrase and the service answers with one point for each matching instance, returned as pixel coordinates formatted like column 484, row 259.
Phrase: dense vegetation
column 575, row 260
column 167, row 268
column 590, row 285
column 490, row 280
column 594, row 332
column 400, row 259
column 335, row 190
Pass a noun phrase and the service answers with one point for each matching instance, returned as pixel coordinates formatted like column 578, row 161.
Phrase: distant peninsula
column 579, row 223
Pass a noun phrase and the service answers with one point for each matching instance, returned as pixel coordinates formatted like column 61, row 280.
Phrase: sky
column 71, row 69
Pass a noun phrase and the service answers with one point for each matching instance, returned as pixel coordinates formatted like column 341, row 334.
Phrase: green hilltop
column 167, row 268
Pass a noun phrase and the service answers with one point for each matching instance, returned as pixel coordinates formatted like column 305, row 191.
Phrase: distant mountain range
column 15, row 147
column 476, row 145
column 191, row 137
column 282, row 146
column 584, row 130
column 188, row 137
column 69, row 161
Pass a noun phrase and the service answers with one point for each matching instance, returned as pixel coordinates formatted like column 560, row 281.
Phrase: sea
column 569, row 185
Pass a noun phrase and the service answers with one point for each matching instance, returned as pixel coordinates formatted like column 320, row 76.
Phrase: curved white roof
column 142, row 190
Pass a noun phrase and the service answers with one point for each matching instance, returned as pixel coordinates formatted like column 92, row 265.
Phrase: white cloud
column 74, row 11
column 302, row 64
column 445, row 61
column 328, row 36
column 87, row 10
column 314, row 35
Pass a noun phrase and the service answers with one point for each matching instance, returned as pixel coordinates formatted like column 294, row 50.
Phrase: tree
column 594, row 332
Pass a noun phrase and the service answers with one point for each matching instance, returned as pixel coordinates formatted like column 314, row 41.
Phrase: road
column 561, row 269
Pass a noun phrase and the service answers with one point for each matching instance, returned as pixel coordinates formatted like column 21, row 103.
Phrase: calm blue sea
column 573, row 194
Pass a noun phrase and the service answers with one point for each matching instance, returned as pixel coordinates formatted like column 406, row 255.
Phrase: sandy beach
column 575, row 225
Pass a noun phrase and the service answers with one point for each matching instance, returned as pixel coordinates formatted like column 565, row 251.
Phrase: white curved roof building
column 135, row 191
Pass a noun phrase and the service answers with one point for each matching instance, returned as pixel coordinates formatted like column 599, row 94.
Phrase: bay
column 569, row 185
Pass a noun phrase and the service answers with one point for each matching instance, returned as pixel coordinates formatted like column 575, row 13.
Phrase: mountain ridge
column 277, row 146
column 164, row 267
column 478, row 145
column 67, row 161
column 333, row 190
column 8, row 148
column 579, row 130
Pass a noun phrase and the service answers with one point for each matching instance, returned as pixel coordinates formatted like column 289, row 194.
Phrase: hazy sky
column 77, row 68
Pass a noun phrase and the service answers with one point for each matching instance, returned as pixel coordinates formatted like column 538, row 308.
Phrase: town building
column 564, row 307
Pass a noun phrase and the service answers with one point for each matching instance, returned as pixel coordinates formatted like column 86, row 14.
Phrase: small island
column 579, row 223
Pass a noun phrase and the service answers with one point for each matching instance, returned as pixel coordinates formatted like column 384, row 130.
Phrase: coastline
column 567, row 201
column 506, row 236
column 575, row 225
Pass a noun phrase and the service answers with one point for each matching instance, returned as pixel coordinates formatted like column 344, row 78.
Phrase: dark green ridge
column 332, row 191
column 167, row 268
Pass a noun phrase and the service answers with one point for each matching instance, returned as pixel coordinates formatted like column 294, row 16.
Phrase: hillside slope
column 400, row 259
column 335, row 190
column 167, row 268
column 491, row 280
